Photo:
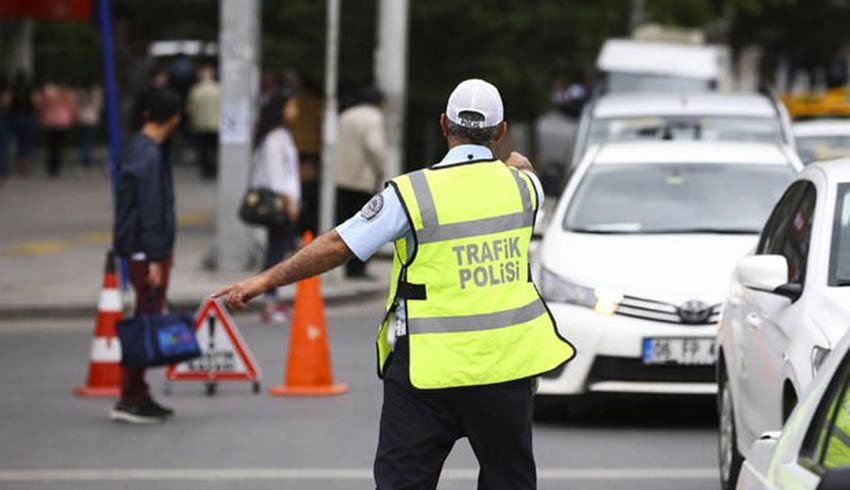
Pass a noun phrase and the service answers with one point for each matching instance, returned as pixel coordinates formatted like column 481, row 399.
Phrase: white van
column 627, row 65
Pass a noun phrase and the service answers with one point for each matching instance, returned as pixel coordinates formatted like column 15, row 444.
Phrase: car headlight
column 557, row 289
column 819, row 355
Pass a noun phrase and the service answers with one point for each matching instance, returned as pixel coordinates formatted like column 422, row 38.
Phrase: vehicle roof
column 684, row 104
column 822, row 127
column 837, row 170
column 690, row 61
column 708, row 152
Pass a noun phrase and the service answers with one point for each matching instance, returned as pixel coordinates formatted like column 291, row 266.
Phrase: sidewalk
column 54, row 235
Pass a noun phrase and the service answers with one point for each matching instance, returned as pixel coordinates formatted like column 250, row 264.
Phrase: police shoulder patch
column 373, row 207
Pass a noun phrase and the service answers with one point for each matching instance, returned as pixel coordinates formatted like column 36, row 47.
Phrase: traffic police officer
column 465, row 330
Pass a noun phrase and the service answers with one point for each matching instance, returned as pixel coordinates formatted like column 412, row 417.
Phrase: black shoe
column 136, row 413
column 157, row 408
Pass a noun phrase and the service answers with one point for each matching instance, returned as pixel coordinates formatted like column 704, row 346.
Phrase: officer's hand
column 519, row 161
column 237, row 296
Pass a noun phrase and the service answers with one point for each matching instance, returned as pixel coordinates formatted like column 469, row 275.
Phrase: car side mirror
column 837, row 479
column 769, row 274
column 540, row 224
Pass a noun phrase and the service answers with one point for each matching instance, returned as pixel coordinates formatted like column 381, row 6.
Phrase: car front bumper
column 609, row 356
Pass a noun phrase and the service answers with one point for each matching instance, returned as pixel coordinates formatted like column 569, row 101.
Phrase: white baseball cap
column 478, row 96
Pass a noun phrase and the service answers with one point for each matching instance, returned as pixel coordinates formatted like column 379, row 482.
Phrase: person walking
column 203, row 111
column 22, row 114
column 90, row 106
column 145, row 233
column 465, row 330
column 360, row 158
column 276, row 169
column 57, row 113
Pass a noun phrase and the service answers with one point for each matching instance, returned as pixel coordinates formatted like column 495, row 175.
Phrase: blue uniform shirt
column 383, row 220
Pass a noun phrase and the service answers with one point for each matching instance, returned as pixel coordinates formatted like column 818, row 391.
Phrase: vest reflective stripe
column 524, row 193
column 475, row 318
column 487, row 321
column 427, row 210
column 476, row 227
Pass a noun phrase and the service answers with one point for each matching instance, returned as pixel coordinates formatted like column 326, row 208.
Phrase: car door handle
column 753, row 320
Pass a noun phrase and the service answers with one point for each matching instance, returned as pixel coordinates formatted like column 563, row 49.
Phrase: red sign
column 47, row 9
column 225, row 355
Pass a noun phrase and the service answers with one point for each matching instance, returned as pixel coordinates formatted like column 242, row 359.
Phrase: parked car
column 637, row 257
column 822, row 139
column 630, row 65
column 683, row 116
column 788, row 306
column 813, row 450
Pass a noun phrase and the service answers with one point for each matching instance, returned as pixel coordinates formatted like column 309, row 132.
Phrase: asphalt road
column 50, row 439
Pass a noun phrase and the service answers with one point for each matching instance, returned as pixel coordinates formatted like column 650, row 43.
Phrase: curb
column 334, row 295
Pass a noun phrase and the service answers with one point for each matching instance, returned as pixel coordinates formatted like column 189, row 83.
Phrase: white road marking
column 207, row 474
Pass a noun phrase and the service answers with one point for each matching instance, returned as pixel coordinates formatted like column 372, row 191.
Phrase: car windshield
column 841, row 243
column 705, row 128
column 812, row 148
column 642, row 82
column 676, row 198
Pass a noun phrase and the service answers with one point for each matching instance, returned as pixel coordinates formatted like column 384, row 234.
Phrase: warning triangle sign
column 225, row 355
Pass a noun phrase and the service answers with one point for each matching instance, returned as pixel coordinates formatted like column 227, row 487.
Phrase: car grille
column 691, row 313
column 609, row 368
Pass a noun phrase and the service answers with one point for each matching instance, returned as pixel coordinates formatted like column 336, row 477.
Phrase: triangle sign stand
column 225, row 356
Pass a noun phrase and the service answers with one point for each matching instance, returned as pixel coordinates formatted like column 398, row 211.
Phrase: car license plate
column 686, row 351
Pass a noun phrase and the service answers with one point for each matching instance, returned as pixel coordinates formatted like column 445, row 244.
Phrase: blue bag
column 157, row 340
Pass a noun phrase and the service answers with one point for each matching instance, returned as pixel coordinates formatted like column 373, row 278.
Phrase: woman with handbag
column 276, row 170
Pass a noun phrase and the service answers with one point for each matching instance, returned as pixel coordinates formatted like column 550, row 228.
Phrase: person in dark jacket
column 145, row 229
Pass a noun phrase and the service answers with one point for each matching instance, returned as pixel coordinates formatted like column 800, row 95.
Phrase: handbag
column 263, row 207
column 157, row 340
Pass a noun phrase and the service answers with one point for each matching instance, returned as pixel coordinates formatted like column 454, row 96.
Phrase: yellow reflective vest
column 474, row 317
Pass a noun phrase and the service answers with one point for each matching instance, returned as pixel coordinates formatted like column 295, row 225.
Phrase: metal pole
column 328, row 196
column 111, row 89
column 111, row 103
column 391, row 75
column 238, row 61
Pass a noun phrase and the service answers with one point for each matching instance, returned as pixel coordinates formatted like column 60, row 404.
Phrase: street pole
column 391, row 75
column 328, row 197
column 238, row 61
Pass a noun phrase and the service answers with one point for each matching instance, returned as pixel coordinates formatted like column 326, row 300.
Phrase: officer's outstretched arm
column 323, row 254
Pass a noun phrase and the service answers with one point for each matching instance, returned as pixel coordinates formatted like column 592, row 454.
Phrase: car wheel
column 729, row 455
column 548, row 408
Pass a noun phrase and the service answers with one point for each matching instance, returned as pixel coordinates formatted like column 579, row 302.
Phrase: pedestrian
column 465, row 330
column 160, row 80
column 57, row 113
column 203, row 111
column 145, row 232
column 360, row 158
column 90, row 107
column 23, row 118
column 5, row 128
column 276, row 168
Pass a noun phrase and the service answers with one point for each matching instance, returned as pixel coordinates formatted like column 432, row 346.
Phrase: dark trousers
column 207, row 144
column 55, row 146
column 349, row 202
column 149, row 301
column 279, row 241
column 88, row 134
column 419, row 428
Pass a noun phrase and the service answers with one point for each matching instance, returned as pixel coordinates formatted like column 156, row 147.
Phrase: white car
column 813, row 450
column 822, row 139
column 707, row 116
column 637, row 257
column 788, row 305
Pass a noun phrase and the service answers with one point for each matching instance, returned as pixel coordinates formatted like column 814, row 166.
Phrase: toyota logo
column 694, row 312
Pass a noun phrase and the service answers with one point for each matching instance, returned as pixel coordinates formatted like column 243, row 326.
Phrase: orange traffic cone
column 308, row 368
column 104, row 378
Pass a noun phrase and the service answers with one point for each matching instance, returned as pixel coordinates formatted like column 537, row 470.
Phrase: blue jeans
column 87, row 138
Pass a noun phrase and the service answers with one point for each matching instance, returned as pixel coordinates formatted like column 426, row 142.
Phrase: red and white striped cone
column 104, row 379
